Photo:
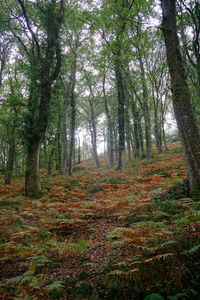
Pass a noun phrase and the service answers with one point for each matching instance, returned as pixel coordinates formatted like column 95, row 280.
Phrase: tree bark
column 121, row 101
column 93, row 133
column 163, row 124
column 59, row 140
column 64, row 136
column 73, row 109
column 10, row 161
column 135, row 129
column 156, row 124
column 32, row 176
column 145, row 108
column 79, row 150
column 44, row 59
column 186, row 122
column 109, row 125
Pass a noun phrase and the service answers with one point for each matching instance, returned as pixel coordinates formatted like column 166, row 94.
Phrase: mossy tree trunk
column 44, row 60
column 187, row 126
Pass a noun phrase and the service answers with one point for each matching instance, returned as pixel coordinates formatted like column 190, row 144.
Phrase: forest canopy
column 100, row 149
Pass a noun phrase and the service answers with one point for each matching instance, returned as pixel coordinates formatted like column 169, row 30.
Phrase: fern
column 192, row 250
column 154, row 296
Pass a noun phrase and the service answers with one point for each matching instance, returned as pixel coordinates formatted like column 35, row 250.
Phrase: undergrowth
column 103, row 234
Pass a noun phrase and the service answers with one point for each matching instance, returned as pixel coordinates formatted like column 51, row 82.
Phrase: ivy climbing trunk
column 187, row 126
column 44, row 57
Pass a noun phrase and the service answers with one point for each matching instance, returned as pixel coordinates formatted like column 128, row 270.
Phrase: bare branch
column 29, row 27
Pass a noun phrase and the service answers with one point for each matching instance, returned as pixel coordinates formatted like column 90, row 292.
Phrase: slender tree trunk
column 79, row 151
column 163, row 126
column 135, row 129
column 146, row 110
column 187, row 126
column 109, row 125
column 50, row 159
column 73, row 110
column 11, row 148
column 156, row 127
column 64, row 136
column 59, row 140
column 94, row 138
column 45, row 153
column 17, row 167
column 116, row 144
column 141, row 138
column 128, row 145
column 132, row 145
column 23, row 164
column 128, row 130
column 121, row 101
column 10, row 161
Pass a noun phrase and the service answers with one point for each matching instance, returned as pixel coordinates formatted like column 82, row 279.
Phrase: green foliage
column 178, row 191
column 154, row 296
column 192, row 250
column 84, row 290
column 98, row 185
column 55, row 288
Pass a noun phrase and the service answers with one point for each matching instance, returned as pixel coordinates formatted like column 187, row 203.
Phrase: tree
column 109, row 122
column 37, row 30
column 91, row 110
column 184, row 114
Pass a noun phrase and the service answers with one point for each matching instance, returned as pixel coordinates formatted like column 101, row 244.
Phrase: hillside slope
column 103, row 234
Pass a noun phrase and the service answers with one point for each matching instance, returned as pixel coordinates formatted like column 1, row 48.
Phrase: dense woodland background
column 100, row 149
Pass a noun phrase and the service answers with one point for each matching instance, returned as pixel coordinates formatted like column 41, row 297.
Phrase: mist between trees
column 75, row 74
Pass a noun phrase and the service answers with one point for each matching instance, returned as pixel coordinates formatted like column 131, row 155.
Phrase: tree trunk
column 11, row 149
column 64, row 134
column 17, row 166
column 49, row 168
column 10, row 161
column 156, row 127
column 94, row 140
column 116, row 144
column 121, row 101
column 163, row 131
column 109, row 125
column 128, row 131
column 135, row 129
column 141, row 139
column 59, row 140
column 44, row 60
column 73, row 107
column 32, row 177
column 145, row 108
column 79, row 151
column 186, row 122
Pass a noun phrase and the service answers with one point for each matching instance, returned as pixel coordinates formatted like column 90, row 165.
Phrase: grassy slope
column 103, row 234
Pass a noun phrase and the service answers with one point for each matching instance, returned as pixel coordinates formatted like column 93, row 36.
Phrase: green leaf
column 192, row 250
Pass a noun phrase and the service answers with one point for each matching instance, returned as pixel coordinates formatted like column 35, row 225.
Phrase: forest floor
column 103, row 234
